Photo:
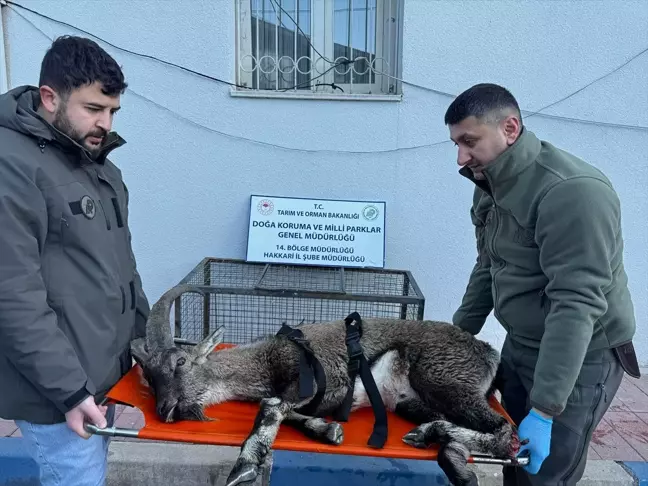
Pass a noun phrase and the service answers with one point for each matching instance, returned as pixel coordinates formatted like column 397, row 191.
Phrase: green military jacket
column 550, row 262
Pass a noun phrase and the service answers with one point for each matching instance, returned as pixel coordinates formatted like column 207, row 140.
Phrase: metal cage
column 252, row 300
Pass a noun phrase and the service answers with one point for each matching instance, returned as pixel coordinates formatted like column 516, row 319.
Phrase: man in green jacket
column 71, row 299
column 550, row 267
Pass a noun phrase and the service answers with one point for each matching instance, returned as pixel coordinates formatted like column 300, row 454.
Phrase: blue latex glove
column 537, row 430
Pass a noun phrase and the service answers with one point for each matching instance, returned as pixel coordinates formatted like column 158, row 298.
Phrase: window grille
column 319, row 46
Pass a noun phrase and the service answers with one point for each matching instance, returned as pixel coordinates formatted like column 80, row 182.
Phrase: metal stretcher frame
column 234, row 420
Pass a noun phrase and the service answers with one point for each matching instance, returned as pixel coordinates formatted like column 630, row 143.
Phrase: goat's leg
column 256, row 446
column 476, row 427
column 454, row 448
column 502, row 443
column 452, row 456
column 499, row 437
column 476, row 413
column 452, row 459
column 416, row 410
column 316, row 428
column 471, row 421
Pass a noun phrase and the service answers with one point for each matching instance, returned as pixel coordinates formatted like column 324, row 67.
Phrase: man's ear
column 512, row 127
column 50, row 100
column 139, row 351
column 207, row 345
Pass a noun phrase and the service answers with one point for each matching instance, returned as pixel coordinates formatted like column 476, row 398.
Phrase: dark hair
column 485, row 101
column 72, row 62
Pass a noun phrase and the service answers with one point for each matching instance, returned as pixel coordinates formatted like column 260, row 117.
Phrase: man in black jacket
column 71, row 298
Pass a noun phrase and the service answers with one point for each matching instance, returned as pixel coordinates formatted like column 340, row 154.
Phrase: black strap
column 358, row 364
column 309, row 365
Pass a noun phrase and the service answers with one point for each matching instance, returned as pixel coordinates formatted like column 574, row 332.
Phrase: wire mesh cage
column 252, row 300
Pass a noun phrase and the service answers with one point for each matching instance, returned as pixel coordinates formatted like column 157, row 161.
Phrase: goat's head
column 172, row 371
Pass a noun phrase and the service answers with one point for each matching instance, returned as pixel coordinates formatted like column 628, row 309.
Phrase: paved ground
column 622, row 435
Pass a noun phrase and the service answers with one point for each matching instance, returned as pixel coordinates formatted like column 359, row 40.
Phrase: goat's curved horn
column 158, row 331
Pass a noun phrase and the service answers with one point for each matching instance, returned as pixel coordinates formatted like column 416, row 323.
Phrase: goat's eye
column 181, row 361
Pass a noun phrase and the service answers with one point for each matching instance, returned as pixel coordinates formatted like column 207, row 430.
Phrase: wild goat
column 430, row 373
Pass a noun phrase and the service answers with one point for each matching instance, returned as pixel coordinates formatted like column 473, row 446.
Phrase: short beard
column 62, row 123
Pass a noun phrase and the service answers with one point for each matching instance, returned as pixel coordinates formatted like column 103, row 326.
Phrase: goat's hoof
column 416, row 438
column 335, row 433
column 242, row 473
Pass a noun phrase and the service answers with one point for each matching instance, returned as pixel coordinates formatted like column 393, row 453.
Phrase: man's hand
column 536, row 428
column 87, row 409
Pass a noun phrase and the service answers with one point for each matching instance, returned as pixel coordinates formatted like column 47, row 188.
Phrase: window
column 319, row 48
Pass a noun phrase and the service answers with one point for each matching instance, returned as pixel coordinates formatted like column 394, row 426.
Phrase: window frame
column 389, row 34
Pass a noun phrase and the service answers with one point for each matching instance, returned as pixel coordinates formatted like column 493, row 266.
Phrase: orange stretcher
column 234, row 421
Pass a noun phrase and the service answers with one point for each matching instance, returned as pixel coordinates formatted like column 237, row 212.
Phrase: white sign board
column 316, row 232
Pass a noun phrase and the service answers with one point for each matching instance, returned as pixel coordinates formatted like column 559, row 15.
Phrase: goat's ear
column 207, row 345
column 138, row 350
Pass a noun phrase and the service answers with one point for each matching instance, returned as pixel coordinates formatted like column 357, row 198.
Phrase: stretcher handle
column 111, row 431
column 474, row 459
column 483, row 459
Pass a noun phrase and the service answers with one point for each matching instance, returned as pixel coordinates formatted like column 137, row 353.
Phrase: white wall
column 190, row 186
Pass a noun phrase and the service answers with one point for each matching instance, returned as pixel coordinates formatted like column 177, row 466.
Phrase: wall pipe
column 4, row 63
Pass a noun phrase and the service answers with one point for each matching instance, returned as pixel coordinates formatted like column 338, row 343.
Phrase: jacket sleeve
column 477, row 301
column 577, row 231
column 143, row 308
column 30, row 337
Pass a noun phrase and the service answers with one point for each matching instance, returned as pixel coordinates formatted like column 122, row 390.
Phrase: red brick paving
column 621, row 436
column 623, row 432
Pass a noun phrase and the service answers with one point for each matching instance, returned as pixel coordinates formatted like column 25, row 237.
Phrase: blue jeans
column 64, row 458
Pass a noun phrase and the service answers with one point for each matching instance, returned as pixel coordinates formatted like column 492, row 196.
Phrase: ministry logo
column 265, row 207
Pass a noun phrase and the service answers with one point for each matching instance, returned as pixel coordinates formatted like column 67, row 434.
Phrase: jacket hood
column 18, row 112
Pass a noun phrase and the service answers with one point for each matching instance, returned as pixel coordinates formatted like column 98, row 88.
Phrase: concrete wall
column 190, row 185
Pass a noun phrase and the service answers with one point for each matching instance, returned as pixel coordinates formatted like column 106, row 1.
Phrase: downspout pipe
column 4, row 66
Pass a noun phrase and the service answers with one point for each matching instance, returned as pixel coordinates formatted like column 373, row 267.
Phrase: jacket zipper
column 95, row 179
column 494, row 255
column 64, row 225
column 491, row 243
column 495, row 220
column 133, row 296
column 105, row 215
column 123, row 294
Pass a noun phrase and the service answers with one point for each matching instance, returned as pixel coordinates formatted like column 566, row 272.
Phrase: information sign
column 316, row 232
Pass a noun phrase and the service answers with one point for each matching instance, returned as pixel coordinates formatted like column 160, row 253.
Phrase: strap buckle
column 354, row 349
